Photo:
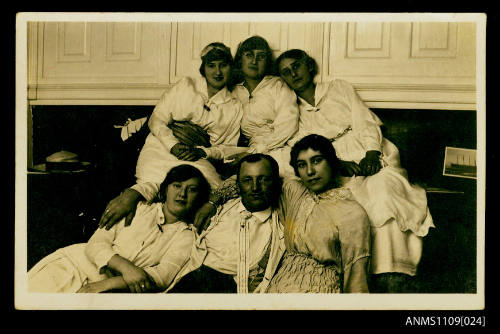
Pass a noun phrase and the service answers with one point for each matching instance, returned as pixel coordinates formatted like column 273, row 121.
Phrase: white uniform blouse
column 270, row 116
column 338, row 108
column 187, row 100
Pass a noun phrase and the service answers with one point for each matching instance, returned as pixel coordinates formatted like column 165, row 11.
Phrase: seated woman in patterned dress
column 145, row 257
column 326, row 232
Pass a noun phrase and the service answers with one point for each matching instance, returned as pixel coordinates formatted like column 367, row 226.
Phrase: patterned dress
column 325, row 235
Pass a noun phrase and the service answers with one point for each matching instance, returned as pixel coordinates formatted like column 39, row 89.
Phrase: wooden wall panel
column 368, row 40
column 189, row 38
column 434, row 40
column 73, row 42
column 123, row 41
column 412, row 64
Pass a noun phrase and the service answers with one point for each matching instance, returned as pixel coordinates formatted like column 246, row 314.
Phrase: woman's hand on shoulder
column 124, row 205
column 203, row 216
column 349, row 168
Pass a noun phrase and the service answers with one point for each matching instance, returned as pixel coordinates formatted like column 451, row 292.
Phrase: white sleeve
column 148, row 190
column 173, row 260
column 99, row 248
column 177, row 103
column 162, row 116
column 286, row 122
column 365, row 122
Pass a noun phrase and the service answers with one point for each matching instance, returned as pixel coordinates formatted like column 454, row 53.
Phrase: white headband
column 209, row 48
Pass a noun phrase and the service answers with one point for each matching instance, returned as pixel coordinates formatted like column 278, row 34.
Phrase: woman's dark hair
column 253, row 43
column 301, row 56
column 216, row 51
column 275, row 172
column 317, row 143
column 183, row 173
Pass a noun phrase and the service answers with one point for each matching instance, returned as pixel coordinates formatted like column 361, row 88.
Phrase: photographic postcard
column 57, row 81
column 460, row 162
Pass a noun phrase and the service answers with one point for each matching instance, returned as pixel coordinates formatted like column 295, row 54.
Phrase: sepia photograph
column 250, row 161
column 460, row 162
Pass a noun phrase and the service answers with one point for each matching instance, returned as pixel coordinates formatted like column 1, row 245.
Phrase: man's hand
column 203, row 216
column 348, row 168
column 190, row 134
column 370, row 164
column 121, row 206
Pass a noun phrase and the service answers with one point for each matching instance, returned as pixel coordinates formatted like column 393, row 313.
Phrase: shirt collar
column 321, row 90
column 161, row 216
column 340, row 193
column 319, row 93
column 262, row 216
column 264, row 80
column 222, row 96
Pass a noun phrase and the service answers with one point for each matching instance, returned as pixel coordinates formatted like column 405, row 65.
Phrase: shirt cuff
column 167, row 139
column 155, row 276
column 258, row 148
column 102, row 258
column 212, row 152
column 148, row 190
column 373, row 147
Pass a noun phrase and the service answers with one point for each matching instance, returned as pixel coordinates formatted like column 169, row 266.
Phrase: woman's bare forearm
column 115, row 283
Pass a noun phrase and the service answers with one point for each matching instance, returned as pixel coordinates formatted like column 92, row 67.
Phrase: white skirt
column 397, row 210
column 65, row 270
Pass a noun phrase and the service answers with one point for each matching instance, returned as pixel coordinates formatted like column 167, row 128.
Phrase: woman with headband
column 204, row 102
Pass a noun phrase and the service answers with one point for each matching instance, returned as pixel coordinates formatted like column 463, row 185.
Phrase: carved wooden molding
column 437, row 96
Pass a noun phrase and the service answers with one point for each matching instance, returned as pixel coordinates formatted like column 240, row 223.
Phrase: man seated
column 231, row 255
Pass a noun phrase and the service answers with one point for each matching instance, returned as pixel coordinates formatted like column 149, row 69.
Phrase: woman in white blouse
column 145, row 257
column 398, row 210
column 204, row 102
column 270, row 116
